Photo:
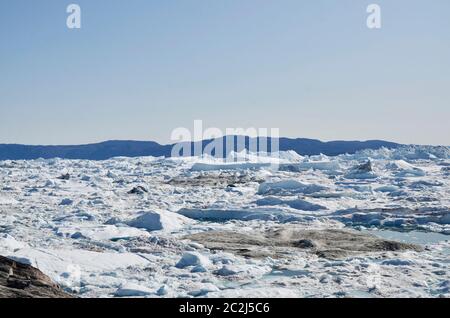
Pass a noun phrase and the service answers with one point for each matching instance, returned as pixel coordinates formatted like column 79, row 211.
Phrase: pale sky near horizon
column 138, row 69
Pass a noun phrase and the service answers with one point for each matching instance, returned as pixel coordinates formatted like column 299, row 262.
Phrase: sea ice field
column 371, row 224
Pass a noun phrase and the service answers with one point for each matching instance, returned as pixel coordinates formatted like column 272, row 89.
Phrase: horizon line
column 224, row 136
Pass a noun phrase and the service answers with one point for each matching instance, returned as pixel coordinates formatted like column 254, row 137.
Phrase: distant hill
column 129, row 148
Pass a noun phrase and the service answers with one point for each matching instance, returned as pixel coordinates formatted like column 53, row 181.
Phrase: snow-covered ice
column 81, row 223
column 155, row 221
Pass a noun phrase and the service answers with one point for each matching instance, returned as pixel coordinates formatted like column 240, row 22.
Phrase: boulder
column 138, row 190
column 65, row 176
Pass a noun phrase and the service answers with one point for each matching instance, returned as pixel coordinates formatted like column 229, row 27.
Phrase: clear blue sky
column 138, row 69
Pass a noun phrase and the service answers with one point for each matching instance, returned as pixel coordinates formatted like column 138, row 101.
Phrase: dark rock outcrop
column 365, row 167
column 138, row 190
column 24, row 281
column 65, row 176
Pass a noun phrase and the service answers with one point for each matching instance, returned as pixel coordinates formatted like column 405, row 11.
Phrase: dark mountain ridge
column 130, row 148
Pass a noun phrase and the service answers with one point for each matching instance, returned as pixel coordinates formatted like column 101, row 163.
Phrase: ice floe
column 264, row 214
column 289, row 186
column 297, row 204
column 156, row 221
column 193, row 259
column 132, row 290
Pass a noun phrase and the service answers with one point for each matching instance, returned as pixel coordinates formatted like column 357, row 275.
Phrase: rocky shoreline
column 19, row 280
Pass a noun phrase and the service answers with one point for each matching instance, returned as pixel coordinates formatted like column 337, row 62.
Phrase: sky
column 139, row 69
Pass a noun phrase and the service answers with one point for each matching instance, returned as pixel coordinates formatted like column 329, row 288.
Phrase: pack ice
column 370, row 224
